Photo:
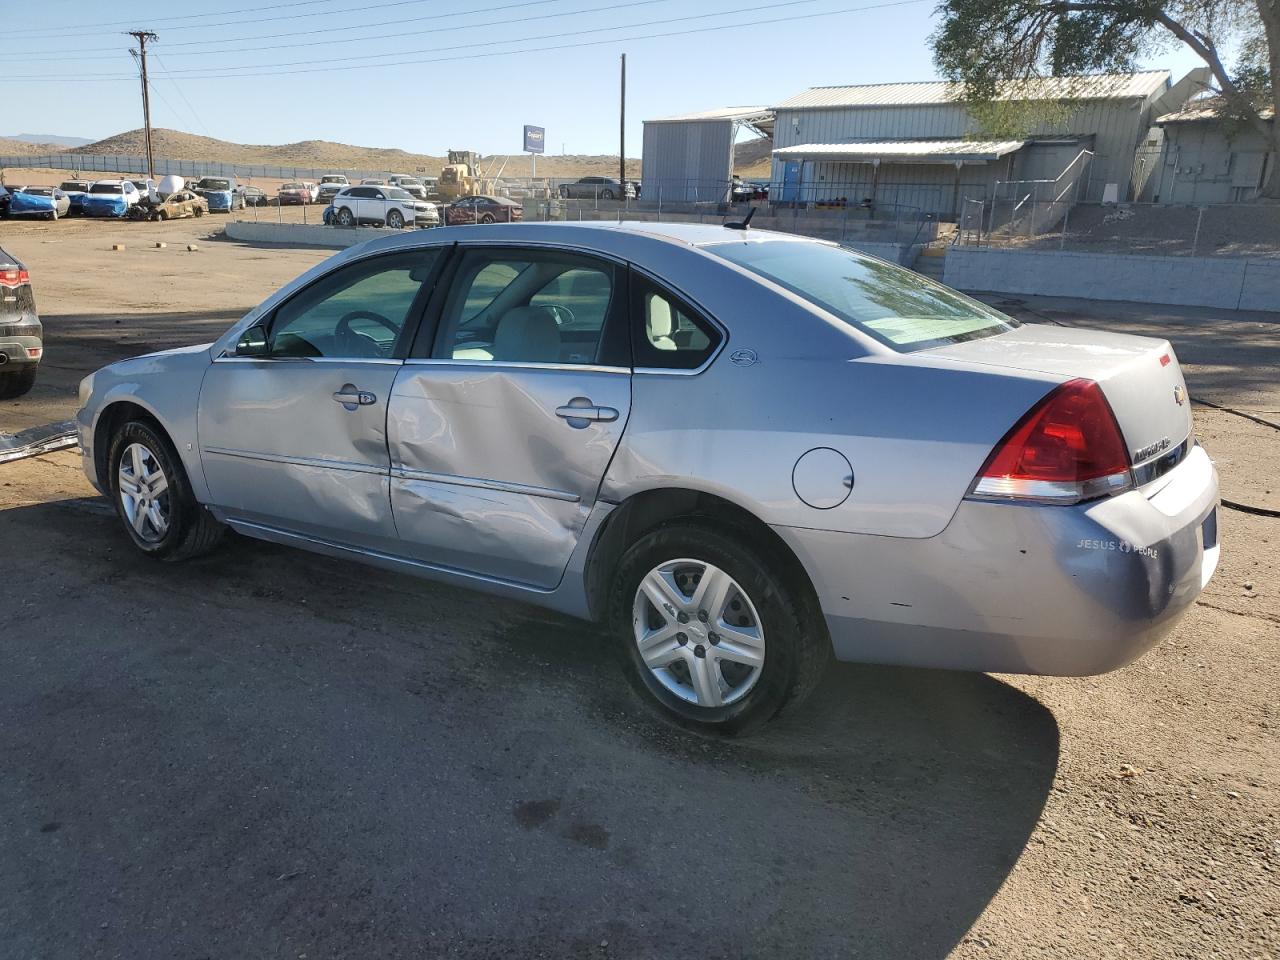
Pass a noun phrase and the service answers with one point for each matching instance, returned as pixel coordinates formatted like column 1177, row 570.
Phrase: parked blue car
column 110, row 198
column 221, row 192
column 75, row 191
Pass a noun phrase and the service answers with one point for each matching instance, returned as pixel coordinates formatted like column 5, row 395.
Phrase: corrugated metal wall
column 1115, row 126
column 687, row 160
column 1199, row 164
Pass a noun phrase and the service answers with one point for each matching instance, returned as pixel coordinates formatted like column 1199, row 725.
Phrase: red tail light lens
column 14, row 278
column 1067, row 448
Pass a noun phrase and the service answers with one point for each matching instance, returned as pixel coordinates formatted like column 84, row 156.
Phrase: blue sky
column 73, row 75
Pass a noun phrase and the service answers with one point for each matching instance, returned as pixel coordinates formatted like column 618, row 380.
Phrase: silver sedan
column 741, row 452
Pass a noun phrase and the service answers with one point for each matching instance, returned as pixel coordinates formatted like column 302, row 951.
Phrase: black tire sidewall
column 769, row 594
column 182, row 504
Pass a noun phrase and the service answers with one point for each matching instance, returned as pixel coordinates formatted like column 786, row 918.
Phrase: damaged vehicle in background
column 483, row 210
column 47, row 202
column 740, row 451
column 221, row 194
column 21, row 335
column 110, row 198
column 75, row 191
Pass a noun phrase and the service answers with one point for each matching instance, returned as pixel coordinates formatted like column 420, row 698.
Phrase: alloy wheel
column 698, row 633
column 144, row 492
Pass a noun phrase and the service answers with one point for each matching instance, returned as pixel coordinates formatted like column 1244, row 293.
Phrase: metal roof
column 1207, row 109
column 758, row 118
column 1103, row 86
column 903, row 151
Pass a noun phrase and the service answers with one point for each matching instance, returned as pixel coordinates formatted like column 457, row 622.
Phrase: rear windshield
column 896, row 306
column 106, row 188
column 293, row 186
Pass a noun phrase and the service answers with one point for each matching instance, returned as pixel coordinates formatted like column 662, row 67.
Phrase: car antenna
column 743, row 223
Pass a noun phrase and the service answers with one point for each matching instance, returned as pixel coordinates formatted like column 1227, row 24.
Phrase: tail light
column 12, row 277
column 1067, row 448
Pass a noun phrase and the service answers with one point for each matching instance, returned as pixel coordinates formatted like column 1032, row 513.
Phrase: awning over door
column 903, row 151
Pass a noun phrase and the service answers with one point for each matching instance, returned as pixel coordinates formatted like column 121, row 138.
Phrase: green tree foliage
column 988, row 46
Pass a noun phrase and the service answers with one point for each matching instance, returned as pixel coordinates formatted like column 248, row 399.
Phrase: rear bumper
column 14, row 350
column 1011, row 588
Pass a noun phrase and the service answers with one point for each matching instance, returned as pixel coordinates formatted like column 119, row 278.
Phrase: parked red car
column 295, row 193
column 482, row 210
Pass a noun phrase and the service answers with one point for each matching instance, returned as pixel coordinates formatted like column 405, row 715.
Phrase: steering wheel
column 355, row 340
column 563, row 314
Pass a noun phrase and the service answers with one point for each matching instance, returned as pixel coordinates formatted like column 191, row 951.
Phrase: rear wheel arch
column 644, row 512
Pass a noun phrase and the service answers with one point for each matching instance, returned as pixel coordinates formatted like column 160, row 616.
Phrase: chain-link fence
column 1169, row 230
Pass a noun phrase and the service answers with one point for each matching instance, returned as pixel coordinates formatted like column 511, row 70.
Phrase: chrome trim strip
column 1156, row 467
column 513, row 364
column 344, row 465
column 289, row 535
column 380, row 361
column 405, row 473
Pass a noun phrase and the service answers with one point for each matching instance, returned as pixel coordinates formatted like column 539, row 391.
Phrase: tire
column 163, row 215
column 345, row 218
column 564, row 193
column 198, row 211
column 188, row 529
column 606, row 194
column 792, row 649
column 486, row 218
column 18, row 383
column 395, row 220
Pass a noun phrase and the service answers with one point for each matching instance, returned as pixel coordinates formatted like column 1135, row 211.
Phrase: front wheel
column 486, row 218
column 153, row 496
column 395, row 220
column 606, row 194
column 711, row 631
column 345, row 218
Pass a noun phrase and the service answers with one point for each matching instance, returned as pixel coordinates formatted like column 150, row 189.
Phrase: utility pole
column 622, row 131
column 142, row 36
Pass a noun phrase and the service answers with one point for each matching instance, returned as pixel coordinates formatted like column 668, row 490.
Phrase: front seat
column 659, row 323
column 528, row 334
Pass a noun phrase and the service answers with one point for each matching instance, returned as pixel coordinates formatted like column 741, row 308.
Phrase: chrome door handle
column 584, row 411
column 351, row 398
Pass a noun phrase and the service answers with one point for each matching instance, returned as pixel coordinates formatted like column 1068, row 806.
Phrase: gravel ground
column 271, row 754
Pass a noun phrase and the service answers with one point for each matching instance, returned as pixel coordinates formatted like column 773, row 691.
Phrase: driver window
column 356, row 312
column 538, row 307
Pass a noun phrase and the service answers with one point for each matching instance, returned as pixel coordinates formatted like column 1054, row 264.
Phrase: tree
column 989, row 45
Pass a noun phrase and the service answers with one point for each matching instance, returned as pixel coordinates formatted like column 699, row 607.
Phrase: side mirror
column 253, row 342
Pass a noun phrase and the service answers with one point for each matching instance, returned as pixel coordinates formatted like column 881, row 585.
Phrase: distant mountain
column 47, row 138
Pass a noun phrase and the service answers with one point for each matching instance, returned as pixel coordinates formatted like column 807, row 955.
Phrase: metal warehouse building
column 1204, row 159
column 912, row 146
column 690, row 157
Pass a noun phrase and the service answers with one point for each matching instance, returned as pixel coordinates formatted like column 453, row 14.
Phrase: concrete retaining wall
column 1234, row 283
column 303, row 234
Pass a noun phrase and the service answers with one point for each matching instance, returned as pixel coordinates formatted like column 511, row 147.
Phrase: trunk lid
column 1140, row 377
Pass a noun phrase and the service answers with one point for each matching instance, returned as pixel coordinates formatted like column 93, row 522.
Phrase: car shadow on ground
column 266, row 751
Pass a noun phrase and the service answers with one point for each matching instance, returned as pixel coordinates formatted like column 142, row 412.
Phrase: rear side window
column 896, row 306
column 667, row 333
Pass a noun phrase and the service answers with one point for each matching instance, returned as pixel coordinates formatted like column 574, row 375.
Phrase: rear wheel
column 486, row 218
column 606, row 194
column 711, row 631
column 198, row 211
column 153, row 497
column 17, row 383
column 395, row 220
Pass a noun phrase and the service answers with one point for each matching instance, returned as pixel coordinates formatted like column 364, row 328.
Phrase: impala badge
column 1151, row 449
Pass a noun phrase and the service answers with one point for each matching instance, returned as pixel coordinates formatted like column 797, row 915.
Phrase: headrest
column 527, row 334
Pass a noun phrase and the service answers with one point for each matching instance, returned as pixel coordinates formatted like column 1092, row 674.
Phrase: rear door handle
column 583, row 411
column 350, row 397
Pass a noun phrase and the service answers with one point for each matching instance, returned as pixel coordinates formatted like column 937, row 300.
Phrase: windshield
column 73, row 185
column 293, row 186
column 106, row 188
column 410, row 182
column 333, row 179
column 39, row 191
column 395, row 193
column 894, row 305
column 210, row 184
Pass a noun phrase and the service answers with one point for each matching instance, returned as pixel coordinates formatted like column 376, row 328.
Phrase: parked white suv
column 382, row 205
column 332, row 184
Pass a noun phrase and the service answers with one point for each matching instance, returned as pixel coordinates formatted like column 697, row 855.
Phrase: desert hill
column 176, row 145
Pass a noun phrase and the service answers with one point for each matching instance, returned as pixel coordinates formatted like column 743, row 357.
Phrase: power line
column 545, row 36
column 503, row 53
column 296, row 16
column 194, row 116
column 385, row 36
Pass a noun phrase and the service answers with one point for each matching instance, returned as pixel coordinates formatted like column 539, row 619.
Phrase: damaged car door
column 506, row 415
column 292, row 423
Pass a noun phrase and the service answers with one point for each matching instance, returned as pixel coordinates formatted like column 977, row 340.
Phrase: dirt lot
column 271, row 754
